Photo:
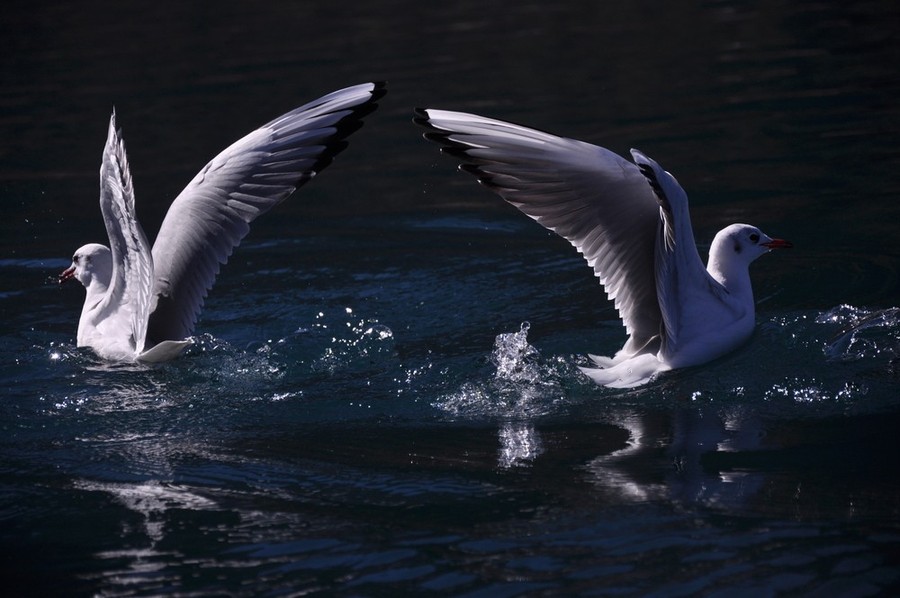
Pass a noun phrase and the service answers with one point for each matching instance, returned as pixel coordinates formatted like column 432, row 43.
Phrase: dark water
column 366, row 411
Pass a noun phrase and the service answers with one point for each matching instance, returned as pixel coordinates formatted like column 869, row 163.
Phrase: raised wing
column 126, row 304
column 213, row 213
column 682, row 281
column 594, row 198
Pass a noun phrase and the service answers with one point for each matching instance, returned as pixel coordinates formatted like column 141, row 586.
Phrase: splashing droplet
column 516, row 360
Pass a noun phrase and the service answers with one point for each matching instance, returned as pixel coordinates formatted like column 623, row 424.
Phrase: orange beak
column 778, row 244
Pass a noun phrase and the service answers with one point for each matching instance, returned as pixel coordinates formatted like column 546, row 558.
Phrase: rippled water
column 383, row 397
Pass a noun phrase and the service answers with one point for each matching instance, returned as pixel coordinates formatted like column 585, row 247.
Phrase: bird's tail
column 632, row 372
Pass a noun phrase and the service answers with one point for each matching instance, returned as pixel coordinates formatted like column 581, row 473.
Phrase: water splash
column 333, row 342
column 355, row 342
column 516, row 360
column 93, row 386
column 863, row 334
column 522, row 384
column 838, row 360
column 239, row 369
column 803, row 390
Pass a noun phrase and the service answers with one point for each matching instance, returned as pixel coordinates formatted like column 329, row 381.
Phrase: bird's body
column 631, row 223
column 142, row 304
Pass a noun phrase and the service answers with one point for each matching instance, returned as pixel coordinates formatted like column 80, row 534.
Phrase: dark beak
column 67, row 274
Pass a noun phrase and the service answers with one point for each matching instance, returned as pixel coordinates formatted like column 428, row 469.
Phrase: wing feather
column 128, row 297
column 213, row 213
column 678, row 264
column 594, row 198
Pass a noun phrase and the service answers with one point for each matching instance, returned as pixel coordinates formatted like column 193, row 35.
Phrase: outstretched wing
column 594, row 198
column 213, row 213
column 126, row 304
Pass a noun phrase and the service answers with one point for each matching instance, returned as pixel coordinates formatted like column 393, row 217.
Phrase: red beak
column 67, row 274
column 778, row 244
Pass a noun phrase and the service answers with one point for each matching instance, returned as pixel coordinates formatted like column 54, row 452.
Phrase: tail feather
column 601, row 361
column 630, row 373
column 164, row 351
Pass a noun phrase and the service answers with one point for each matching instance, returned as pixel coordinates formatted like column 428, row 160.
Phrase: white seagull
column 142, row 305
column 630, row 221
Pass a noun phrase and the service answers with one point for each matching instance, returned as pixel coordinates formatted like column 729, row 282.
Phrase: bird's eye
column 754, row 237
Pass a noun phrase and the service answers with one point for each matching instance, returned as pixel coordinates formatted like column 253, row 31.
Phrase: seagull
column 141, row 305
column 630, row 221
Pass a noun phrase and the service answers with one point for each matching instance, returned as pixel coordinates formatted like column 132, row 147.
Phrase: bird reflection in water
column 663, row 458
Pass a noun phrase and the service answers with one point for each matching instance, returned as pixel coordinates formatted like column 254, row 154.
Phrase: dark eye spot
column 754, row 237
column 737, row 247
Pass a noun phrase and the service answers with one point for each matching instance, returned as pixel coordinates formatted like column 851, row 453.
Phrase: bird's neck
column 95, row 291
column 732, row 275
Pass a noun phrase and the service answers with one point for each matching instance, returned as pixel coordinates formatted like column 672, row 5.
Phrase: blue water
column 383, row 398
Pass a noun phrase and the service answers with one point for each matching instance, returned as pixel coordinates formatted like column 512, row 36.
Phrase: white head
column 744, row 243
column 92, row 262
column 735, row 247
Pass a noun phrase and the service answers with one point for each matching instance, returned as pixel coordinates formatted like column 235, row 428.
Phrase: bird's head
column 744, row 243
column 91, row 262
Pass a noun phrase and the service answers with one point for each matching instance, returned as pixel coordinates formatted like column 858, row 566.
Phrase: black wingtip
column 349, row 124
column 379, row 90
column 422, row 119
column 442, row 137
column 472, row 169
column 436, row 135
column 650, row 175
column 451, row 146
